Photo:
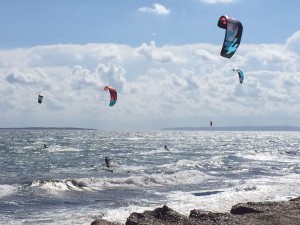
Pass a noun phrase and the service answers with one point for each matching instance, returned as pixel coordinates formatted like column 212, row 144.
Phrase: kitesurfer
column 45, row 146
column 166, row 148
column 107, row 161
column 40, row 99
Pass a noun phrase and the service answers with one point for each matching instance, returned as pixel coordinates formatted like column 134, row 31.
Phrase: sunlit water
column 68, row 183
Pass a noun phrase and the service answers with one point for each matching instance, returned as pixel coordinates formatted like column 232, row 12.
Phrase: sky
column 163, row 57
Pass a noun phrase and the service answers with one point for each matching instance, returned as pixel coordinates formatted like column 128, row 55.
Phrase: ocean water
column 68, row 182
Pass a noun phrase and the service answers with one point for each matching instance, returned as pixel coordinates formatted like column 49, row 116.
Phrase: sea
column 68, row 181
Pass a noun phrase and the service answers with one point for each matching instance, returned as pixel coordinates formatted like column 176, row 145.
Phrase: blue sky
column 162, row 56
column 33, row 22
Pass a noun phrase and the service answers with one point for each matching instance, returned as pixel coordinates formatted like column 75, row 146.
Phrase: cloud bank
column 184, row 85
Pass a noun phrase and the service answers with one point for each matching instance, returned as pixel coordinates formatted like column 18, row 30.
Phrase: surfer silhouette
column 107, row 161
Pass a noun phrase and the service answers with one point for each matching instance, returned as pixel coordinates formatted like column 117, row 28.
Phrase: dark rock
column 164, row 215
column 241, row 209
column 295, row 200
column 269, row 213
column 205, row 215
column 103, row 222
column 199, row 216
column 250, row 213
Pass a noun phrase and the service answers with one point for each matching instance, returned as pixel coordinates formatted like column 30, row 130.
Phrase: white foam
column 222, row 200
column 125, row 168
column 75, row 216
column 145, row 180
column 7, row 190
column 269, row 156
column 156, row 151
column 54, row 186
column 120, row 215
column 183, row 164
column 181, row 177
column 58, row 148
column 266, row 189
column 83, row 215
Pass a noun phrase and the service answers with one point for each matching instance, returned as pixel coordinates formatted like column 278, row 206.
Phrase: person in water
column 45, row 146
column 107, row 161
column 166, row 147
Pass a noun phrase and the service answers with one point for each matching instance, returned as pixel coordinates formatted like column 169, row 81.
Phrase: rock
column 241, row 209
column 103, row 222
column 250, row 213
column 164, row 215
column 199, row 216
column 206, row 215
column 267, row 213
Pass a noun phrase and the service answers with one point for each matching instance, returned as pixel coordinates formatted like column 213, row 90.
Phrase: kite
column 240, row 73
column 113, row 95
column 40, row 99
column 233, row 35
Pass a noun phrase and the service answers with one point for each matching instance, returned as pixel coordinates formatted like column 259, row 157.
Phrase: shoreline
column 250, row 213
column 45, row 128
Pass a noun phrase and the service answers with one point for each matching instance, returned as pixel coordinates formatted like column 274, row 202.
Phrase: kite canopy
column 233, row 35
column 40, row 99
column 240, row 73
column 113, row 95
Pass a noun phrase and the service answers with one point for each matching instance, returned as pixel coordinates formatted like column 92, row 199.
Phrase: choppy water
column 68, row 183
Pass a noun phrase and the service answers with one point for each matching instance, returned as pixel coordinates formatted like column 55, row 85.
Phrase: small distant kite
column 113, row 95
column 40, row 99
column 240, row 73
column 233, row 35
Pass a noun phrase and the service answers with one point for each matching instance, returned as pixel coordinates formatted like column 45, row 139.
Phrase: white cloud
column 206, row 56
column 157, row 9
column 112, row 75
column 184, row 85
column 25, row 78
column 155, row 54
column 293, row 43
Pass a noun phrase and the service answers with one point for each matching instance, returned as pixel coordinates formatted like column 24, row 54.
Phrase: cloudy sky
column 162, row 56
